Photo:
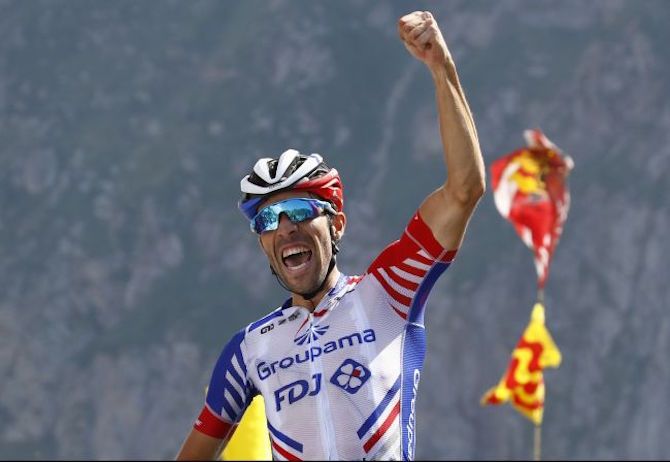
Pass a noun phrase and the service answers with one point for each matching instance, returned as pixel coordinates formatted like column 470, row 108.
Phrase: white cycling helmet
column 292, row 171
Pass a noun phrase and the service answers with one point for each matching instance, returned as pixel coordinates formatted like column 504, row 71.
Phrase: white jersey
column 339, row 383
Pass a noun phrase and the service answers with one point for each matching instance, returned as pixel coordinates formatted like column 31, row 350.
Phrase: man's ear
column 339, row 223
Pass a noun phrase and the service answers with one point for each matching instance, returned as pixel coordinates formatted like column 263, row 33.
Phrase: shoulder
column 263, row 329
column 263, row 323
column 417, row 243
column 241, row 346
column 240, row 338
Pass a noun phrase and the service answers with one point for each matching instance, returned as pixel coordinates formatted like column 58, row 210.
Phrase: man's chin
column 304, row 290
column 301, row 287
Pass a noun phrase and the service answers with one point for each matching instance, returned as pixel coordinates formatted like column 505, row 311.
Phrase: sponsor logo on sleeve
column 411, row 422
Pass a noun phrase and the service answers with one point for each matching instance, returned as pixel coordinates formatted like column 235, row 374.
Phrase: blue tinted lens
column 296, row 210
column 266, row 220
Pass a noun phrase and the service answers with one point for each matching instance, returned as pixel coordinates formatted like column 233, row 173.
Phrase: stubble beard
column 310, row 282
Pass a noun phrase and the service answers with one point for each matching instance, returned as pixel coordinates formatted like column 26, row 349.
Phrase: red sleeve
column 408, row 267
column 212, row 425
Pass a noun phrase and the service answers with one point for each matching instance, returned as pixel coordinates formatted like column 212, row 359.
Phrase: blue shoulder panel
column 275, row 314
column 230, row 391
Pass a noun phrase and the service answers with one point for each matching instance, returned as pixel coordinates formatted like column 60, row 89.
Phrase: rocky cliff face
column 125, row 266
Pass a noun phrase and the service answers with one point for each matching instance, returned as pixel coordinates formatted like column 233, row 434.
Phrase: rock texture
column 125, row 266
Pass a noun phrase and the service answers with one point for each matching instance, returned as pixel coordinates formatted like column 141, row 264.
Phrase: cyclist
column 339, row 363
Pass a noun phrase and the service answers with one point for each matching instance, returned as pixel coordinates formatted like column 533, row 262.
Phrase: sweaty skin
column 314, row 237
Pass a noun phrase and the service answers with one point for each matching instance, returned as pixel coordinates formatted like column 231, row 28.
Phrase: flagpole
column 537, row 439
column 537, row 443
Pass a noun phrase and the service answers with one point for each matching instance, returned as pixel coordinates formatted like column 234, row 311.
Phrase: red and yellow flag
column 523, row 384
column 530, row 190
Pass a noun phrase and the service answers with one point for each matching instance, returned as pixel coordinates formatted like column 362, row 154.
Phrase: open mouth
column 296, row 257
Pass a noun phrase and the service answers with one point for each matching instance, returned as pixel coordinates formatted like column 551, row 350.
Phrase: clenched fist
column 422, row 37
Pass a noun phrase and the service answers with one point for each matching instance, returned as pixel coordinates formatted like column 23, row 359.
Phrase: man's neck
column 311, row 304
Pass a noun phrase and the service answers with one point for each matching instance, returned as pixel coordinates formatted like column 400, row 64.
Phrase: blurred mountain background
column 125, row 265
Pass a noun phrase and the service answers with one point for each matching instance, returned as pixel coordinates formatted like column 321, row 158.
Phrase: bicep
column 230, row 390
column 198, row 446
column 447, row 217
column 407, row 268
column 228, row 395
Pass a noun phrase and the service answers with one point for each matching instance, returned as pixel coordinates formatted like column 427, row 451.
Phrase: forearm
column 448, row 209
column 462, row 155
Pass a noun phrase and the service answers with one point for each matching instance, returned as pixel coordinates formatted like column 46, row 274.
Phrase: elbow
column 469, row 193
column 477, row 189
column 481, row 188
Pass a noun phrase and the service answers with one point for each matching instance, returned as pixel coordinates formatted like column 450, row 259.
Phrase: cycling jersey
column 339, row 382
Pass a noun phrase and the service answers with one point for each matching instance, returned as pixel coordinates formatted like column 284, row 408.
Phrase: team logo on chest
column 310, row 334
column 350, row 376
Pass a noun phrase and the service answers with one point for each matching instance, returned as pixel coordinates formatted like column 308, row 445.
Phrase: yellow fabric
column 528, row 177
column 523, row 383
column 250, row 441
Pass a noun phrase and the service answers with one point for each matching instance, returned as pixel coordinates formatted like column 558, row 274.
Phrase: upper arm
column 229, row 393
column 408, row 268
column 230, row 389
column 198, row 446
column 447, row 216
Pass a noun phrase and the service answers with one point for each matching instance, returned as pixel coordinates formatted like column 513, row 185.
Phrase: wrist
column 442, row 71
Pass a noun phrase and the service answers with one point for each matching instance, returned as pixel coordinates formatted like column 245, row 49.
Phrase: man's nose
column 286, row 226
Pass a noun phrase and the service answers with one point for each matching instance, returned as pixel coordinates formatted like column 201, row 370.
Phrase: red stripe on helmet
column 327, row 187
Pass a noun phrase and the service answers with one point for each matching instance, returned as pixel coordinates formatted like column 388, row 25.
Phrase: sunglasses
column 296, row 210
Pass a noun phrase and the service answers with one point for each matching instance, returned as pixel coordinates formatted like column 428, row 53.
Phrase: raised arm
column 447, row 210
